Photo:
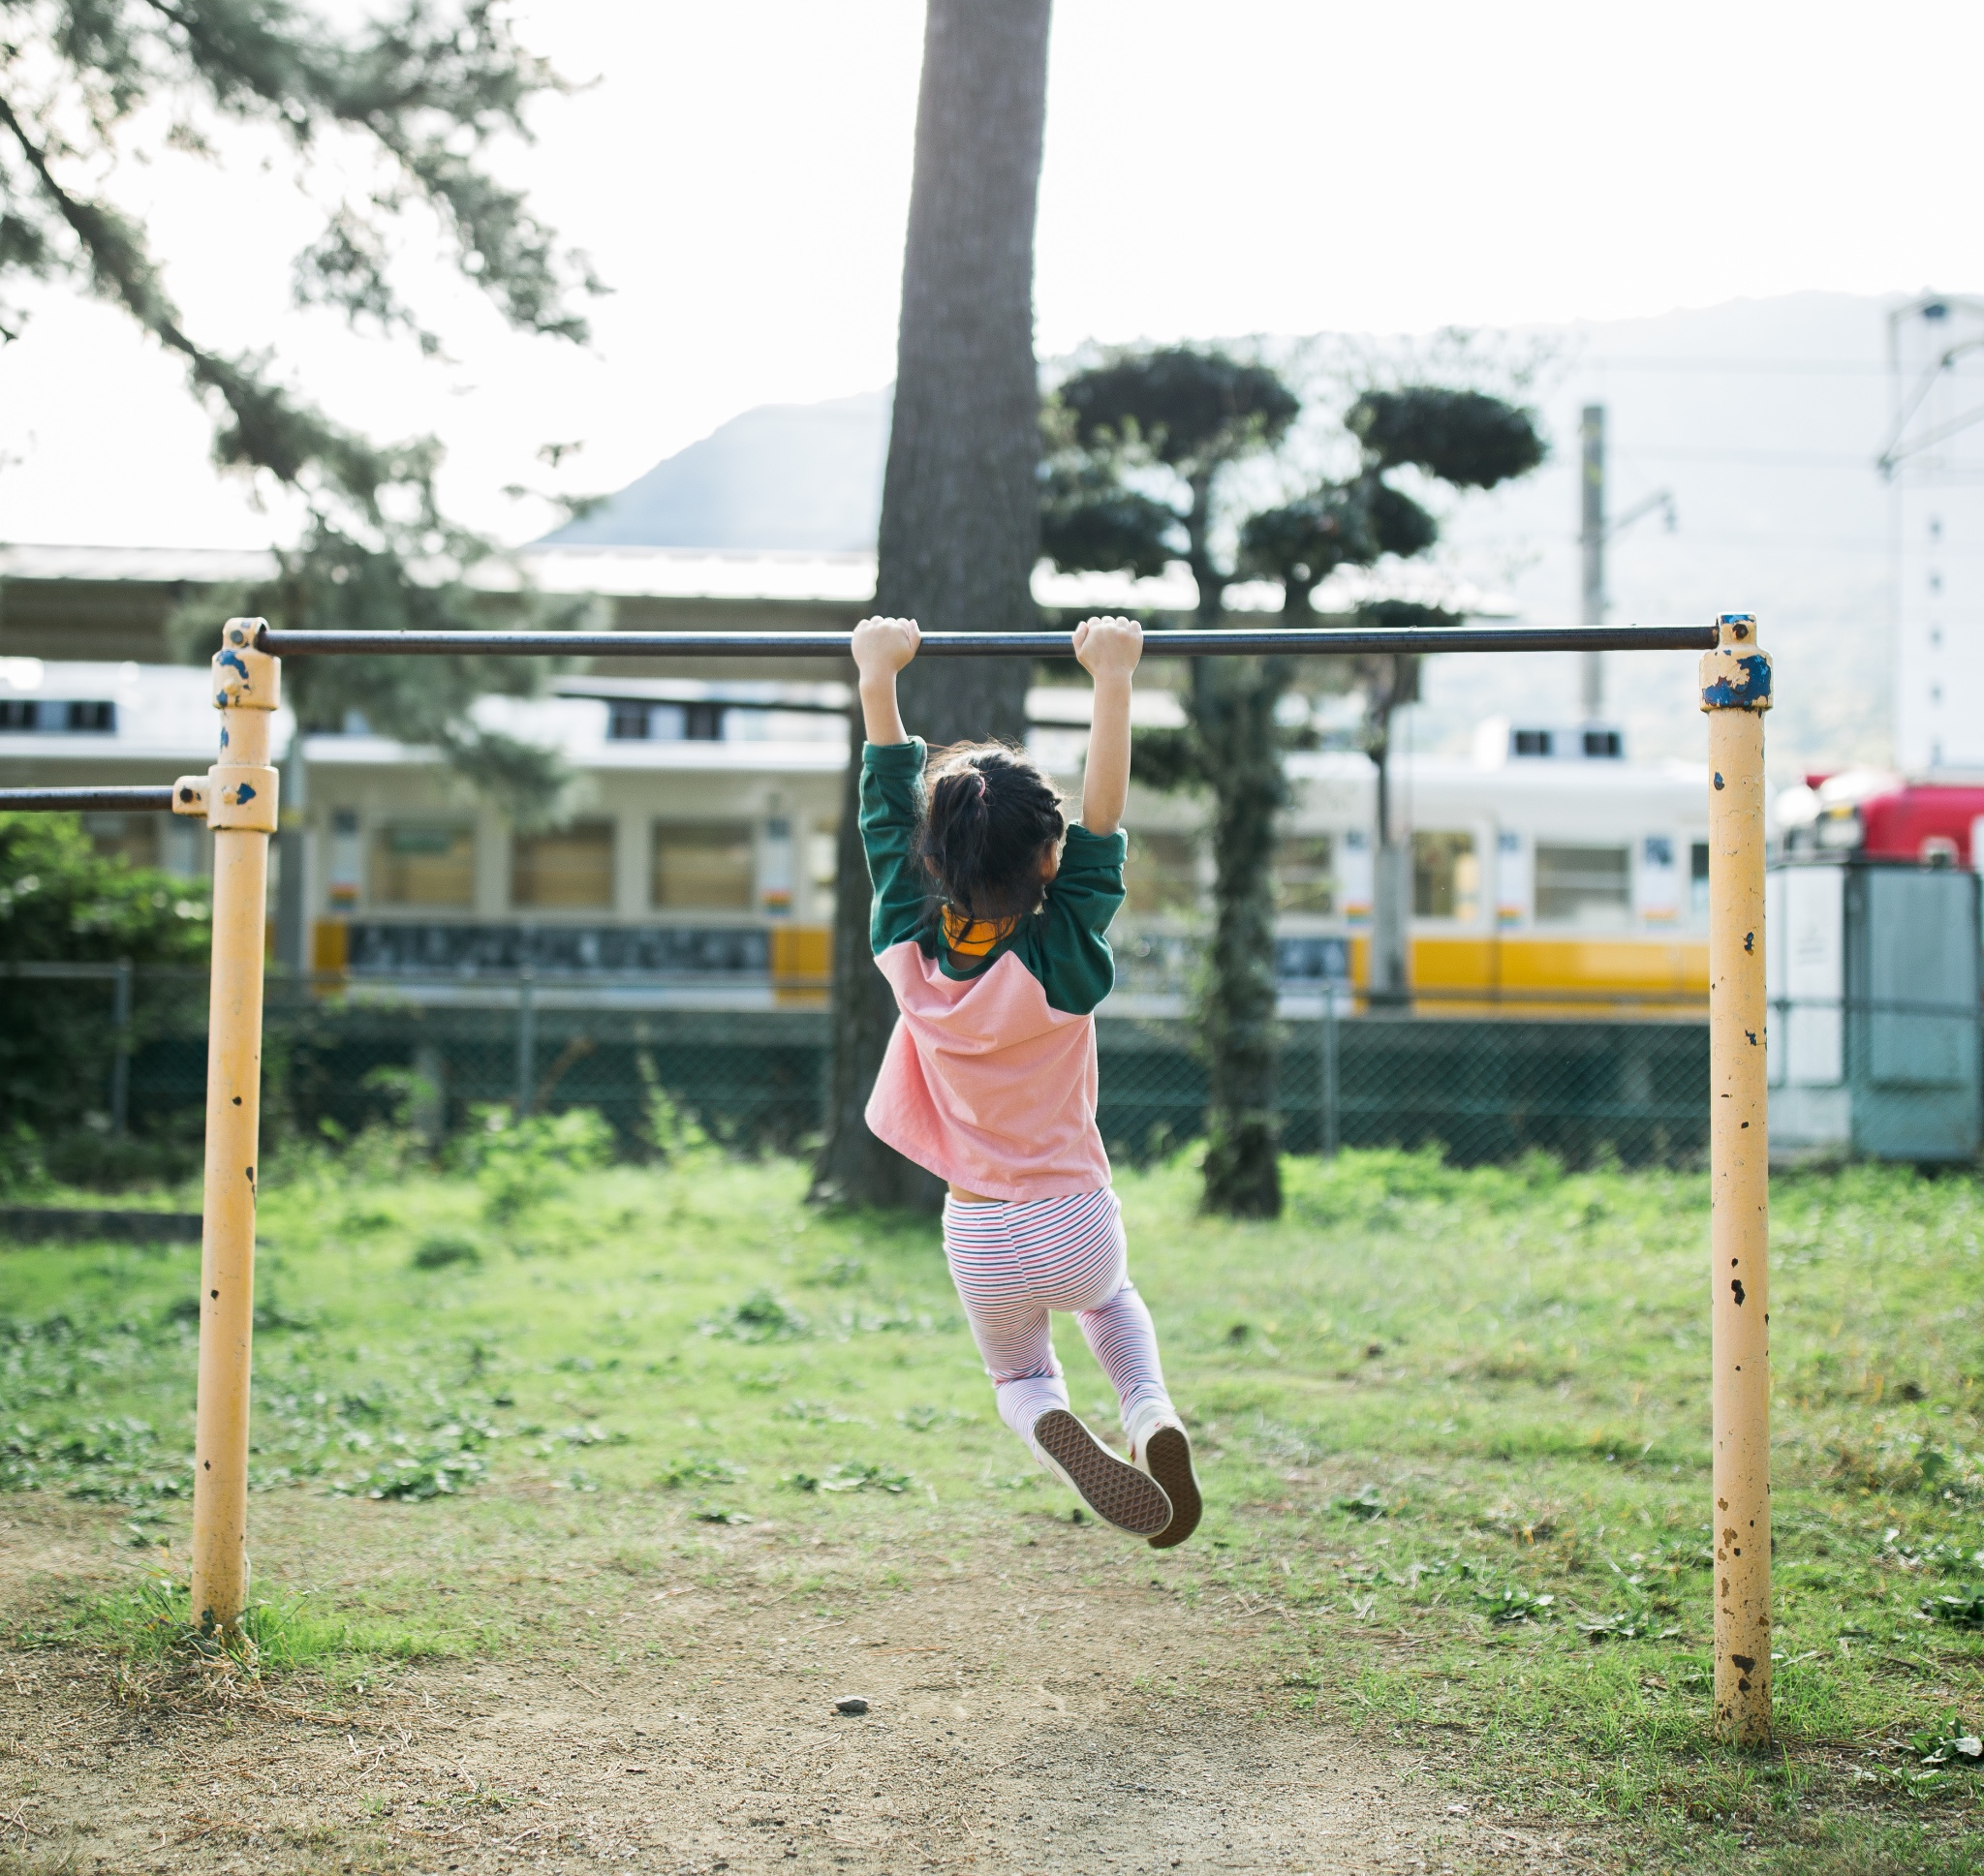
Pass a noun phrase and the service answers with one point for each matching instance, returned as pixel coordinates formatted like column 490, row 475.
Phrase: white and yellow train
column 1549, row 873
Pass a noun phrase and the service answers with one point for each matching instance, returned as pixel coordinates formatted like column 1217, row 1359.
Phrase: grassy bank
column 1454, row 1432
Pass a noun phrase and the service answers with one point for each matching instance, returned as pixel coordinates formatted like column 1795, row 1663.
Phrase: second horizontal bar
column 1319, row 642
column 157, row 800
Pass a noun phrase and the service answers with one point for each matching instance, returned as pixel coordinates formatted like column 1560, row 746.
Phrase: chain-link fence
column 1480, row 1088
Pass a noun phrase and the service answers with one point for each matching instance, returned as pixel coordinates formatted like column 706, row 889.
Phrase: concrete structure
column 1934, row 464
column 1873, row 975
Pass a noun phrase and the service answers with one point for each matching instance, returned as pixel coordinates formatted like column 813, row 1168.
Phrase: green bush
column 63, row 902
column 518, row 1162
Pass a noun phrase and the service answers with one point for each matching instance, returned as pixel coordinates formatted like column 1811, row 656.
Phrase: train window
column 1161, row 873
column 1446, row 877
column 423, row 863
column 567, row 867
column 823, row 864
column 704, row 866
column 1305, row 878
column 1583, row 885
column 1699, row 880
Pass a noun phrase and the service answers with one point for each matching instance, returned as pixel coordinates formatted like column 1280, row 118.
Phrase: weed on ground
column 1452, row 1428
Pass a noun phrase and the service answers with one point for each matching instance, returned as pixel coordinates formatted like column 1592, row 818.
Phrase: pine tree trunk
column 960, row 506
column 1233, row 708
column 1233, row 704
column 1396, row 680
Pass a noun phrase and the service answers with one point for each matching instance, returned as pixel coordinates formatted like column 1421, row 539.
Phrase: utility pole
column 1592, row 540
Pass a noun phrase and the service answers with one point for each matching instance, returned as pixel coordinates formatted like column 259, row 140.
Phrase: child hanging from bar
column 990, row 919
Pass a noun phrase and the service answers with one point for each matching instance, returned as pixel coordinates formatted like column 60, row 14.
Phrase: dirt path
column 1030, row 1716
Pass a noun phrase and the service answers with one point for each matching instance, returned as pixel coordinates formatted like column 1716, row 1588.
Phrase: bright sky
column 740, row 176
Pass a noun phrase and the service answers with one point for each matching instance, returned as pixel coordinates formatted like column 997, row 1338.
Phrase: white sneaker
column 1158, row 1445
column 1117, row 1494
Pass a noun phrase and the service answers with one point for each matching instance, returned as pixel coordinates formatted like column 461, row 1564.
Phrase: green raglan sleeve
column 891, row 804
column 1071, row 953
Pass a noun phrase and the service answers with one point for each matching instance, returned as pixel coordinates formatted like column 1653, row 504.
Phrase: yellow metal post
column 1735, row 693
column 237, row 798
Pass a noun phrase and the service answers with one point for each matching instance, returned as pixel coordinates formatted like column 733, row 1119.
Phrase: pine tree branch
column 268, row 429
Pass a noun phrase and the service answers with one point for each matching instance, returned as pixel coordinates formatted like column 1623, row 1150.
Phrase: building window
column 564, row 868
column 79, row 717
column 1161, row 873
column 426, row 862
column 132, row 839
column 1305, row 878
column 1583, row 885
column 184, row 846
column 342, row 872
column 704, row 866
column 632, row 719
column 1699, row 880
column 1446, row 877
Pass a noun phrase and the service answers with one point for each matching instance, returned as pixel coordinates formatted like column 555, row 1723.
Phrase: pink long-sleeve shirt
column 989, row 1080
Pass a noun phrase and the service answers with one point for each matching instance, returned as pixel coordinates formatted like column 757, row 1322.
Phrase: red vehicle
column 1878, row 815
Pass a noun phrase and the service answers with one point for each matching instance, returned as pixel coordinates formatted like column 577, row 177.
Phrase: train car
column 1550, row 876
column 694, row 861
column 1877, row 814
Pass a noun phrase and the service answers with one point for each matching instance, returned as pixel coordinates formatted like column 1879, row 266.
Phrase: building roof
column 747, row 575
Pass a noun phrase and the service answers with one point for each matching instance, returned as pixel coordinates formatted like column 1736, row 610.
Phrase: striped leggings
column 1014, row 1261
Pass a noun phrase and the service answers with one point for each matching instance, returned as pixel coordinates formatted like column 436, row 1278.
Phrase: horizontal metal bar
column 58, row 801
column 59, row 973
column 1322, row 642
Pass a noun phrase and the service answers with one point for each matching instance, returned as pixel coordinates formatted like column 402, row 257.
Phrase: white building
column 1935, row 462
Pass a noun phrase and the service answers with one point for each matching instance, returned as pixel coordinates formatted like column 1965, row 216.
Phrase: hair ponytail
column 989, row 819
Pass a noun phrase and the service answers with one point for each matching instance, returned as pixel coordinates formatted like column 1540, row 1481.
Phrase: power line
column 1814, row 367
column 1760, row 458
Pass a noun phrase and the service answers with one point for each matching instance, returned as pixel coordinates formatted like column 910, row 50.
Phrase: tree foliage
column 59, row 899
column 1137, row 450
column 1088, row 519
column 1463, row 437
column 412, row 102
column 61, row 902
column 1192, row 408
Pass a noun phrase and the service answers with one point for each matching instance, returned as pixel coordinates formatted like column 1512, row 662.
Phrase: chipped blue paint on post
column 243, row 793
column 1751, row 691
column 233, row 661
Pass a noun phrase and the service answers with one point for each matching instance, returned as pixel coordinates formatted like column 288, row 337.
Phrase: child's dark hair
column 989, row 819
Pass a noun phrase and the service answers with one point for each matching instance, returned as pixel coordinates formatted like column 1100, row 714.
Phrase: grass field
column 1452, row 1427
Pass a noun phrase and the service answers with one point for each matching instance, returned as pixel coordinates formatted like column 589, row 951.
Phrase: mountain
column 1760, row 420
column 803, row 477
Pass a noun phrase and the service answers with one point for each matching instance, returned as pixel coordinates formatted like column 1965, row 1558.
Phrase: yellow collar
column 973, row 937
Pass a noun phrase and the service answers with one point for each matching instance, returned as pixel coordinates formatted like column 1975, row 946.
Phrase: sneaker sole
column 1169, row 1455
column 1116, row 1491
